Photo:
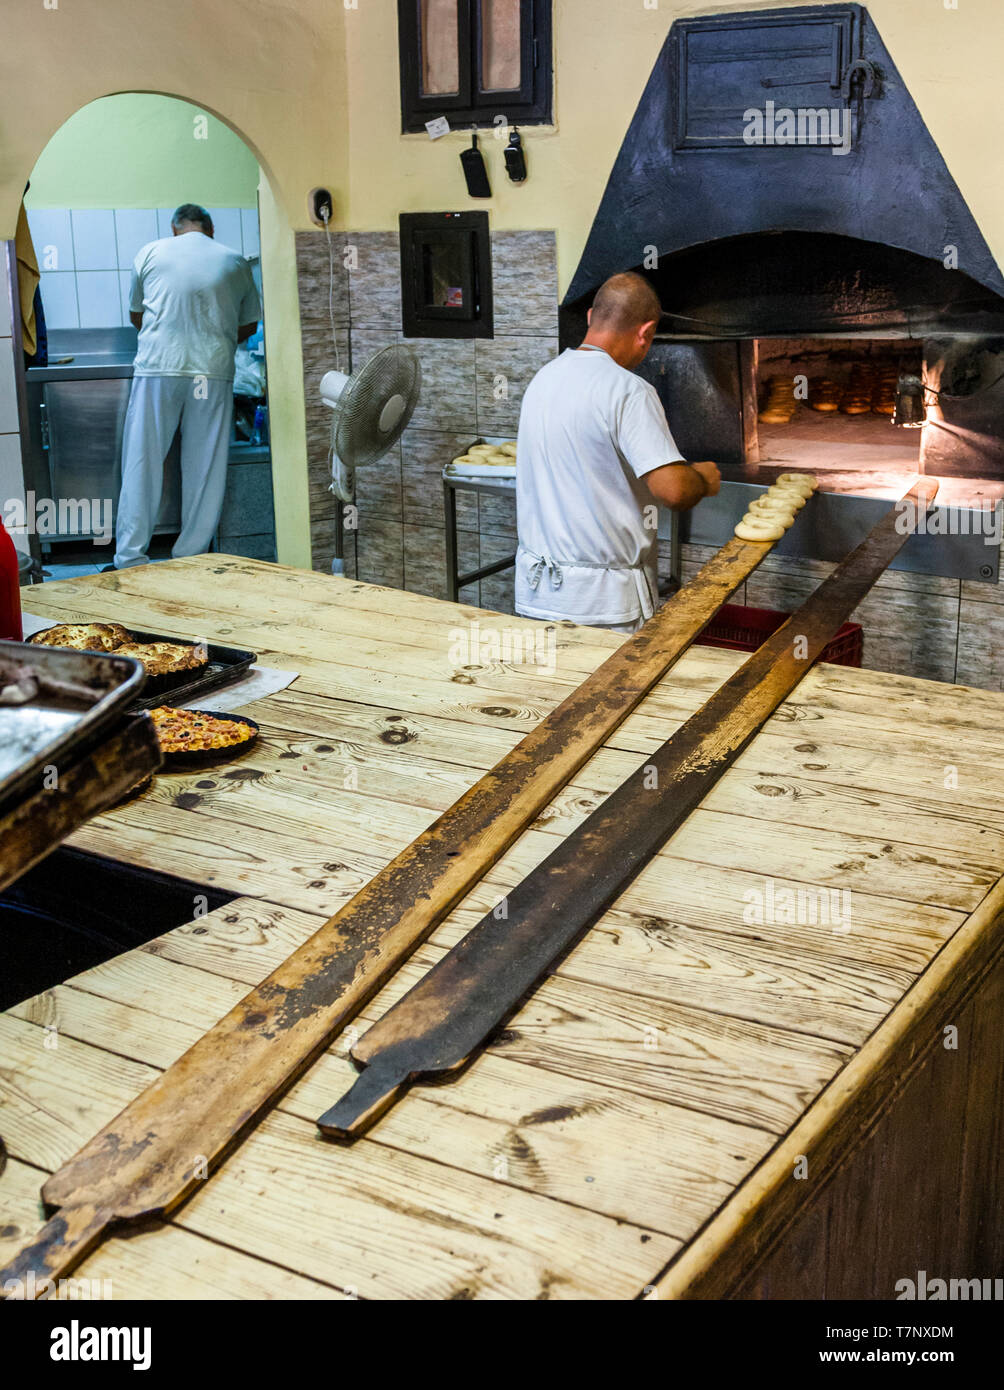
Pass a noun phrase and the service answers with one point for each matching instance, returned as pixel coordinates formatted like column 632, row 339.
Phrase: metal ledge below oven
column 831, row 524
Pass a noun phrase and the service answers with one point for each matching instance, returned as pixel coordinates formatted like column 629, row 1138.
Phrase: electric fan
column 370, row 410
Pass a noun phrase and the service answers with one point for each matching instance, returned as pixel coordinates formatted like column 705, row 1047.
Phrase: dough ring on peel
column 803, row 489
column 762, row 518
column 785, row 514
column 768, row 504
column 768, row 529
column 790, row 490
column 806, row 480
column 790, row 495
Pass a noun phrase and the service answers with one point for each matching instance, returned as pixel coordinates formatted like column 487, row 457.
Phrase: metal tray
column 225, row 665
column 57, row 725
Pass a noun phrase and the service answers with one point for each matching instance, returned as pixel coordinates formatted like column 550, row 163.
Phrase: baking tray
column 483, row 470
column 123, row 755
column 225, row 665
column 81, row 694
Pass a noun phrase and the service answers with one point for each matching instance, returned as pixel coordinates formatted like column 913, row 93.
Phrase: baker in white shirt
column 596, row 460
column 192, row 301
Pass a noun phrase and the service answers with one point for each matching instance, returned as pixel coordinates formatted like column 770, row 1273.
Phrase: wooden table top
column 637, row 1092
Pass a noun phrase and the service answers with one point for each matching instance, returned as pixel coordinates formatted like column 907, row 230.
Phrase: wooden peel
column 457, row 1004
column 155, row 1152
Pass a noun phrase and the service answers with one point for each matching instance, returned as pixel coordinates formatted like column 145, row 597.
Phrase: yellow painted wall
column 949, row 58
column 287, row 423
column 273, row 70
column 138, row 150
column 312, row 85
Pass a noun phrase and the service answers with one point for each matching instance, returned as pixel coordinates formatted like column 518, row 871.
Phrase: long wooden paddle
column 143, row 1163
column 464, row 997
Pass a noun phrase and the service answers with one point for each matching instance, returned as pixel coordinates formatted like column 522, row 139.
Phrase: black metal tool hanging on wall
column 515, row 159
column 473, row 162
column 439, row 1023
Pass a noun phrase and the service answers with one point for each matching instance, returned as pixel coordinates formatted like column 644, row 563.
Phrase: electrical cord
column 343, row 482
column 326, row 219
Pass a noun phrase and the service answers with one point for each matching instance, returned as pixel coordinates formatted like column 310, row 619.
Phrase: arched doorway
column 106, row 183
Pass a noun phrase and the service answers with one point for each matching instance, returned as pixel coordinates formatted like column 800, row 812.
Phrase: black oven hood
column 820, row 285
column 777, row 181
column 905, row 250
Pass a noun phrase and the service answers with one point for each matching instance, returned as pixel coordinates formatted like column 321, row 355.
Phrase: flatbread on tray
column 164, row 658
column 83, row 637
column 186, row 731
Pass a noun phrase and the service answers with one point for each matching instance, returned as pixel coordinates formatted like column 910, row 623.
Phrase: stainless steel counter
column 76, row 413
column 94, row 353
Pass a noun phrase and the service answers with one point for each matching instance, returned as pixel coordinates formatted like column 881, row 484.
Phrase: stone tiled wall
column 401, row 538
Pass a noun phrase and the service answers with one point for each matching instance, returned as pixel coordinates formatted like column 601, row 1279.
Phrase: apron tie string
column 542, row 563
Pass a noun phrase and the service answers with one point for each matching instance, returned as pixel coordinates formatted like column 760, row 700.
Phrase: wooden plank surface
column 635, row 1096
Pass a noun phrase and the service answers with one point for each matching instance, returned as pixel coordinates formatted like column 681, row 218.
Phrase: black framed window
column 474, row 60
column 446, row 275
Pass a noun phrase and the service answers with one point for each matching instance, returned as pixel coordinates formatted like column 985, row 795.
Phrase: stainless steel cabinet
column 76, row 410
column 82, row 441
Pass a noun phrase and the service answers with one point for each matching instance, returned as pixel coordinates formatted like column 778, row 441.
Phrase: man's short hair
column 191, row 212
column 624, row 302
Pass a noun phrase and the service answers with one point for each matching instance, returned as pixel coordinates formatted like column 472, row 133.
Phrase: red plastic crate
column 744, row 629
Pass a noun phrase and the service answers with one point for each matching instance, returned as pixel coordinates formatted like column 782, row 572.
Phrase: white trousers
column 157, row 405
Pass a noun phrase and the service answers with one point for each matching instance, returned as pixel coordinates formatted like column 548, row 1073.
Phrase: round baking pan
column 209, row 756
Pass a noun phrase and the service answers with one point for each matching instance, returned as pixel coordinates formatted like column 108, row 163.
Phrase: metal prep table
column 451, row 486
column 669, row 529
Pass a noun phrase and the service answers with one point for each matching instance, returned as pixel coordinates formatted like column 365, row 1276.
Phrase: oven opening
column 826, row 406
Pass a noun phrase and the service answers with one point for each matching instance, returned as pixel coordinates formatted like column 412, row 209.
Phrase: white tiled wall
column 85, row 256
column 11, row 478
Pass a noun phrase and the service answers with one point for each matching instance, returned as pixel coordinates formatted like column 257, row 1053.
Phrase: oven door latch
column 868, row 73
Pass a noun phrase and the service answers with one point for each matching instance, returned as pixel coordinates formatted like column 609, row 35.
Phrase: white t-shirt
column 589, row 431
column 193, row 294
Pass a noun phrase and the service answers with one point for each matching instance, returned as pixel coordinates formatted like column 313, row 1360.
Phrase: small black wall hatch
column 446, row 275
column 475, row 172
column 515, row 159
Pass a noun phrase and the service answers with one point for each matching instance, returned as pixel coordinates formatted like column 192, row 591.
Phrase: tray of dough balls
column 773, row 513
column 485, row 459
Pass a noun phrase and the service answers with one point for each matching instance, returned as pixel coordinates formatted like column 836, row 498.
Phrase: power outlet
column 320, row 206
